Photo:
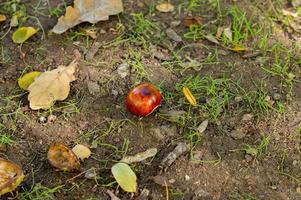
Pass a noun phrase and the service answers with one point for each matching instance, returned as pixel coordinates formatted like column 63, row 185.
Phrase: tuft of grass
column 195, row 32
column 6, row 139
column 39, row 192
column 213, row 93
column 261, row 103
column 137, row 66
column 140, row 30
column 242, row 27
column 282, row 66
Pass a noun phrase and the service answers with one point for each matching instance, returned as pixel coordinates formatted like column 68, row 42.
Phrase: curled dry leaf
column 2, row 18
column 62, row 158
column 81, row 151
column 239, row 49
column 27, row 79
column 22, row 34
column 91, row 11
column 11, row 175
column 203, row 126
column 165, row 7
column 228, row 33
column 180, row 149
column 140, row 156
column 189, row 96
column 212, row 39
column 51, row 86
column 125, row 177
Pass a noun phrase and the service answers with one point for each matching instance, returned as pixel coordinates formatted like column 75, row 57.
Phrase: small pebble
column 238, row 99
column 123, row 70
column 173, row 35
column 93, row 87
column 175, row 23
column 51, row 118
column 237, row 134
column 277, row 96
column 172, row 180
column 42, row 119
column 91, row 174
column 247, row 117
column 187, row 178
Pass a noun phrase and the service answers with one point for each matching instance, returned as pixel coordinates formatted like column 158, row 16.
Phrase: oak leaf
column 51, row 86
column 87, row 11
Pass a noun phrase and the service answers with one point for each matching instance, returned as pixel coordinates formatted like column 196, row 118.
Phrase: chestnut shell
column 62, row 158
column 143, row 99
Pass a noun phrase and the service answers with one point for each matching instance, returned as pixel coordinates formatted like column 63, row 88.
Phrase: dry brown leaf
column 91, row 11
column 189, row 21
column 51, row 86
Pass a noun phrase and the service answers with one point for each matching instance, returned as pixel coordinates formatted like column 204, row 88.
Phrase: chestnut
column 11, row 176
column 143, row 99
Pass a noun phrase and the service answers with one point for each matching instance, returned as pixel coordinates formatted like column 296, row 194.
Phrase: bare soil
column 97, row 117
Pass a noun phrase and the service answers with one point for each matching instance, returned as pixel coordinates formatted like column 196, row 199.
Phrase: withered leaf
column 189, row 96
column 91, row 11
column 189, row 21
column 51, row 86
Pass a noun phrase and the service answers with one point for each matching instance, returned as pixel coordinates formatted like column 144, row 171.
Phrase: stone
column 173, row 35
column 237, row 134
column 247, row 117
column 238, row 99
column 93, row 87
column 91, row 174
column 276, row 96
column 175, row 23
column 123, row 70
column 201, row 193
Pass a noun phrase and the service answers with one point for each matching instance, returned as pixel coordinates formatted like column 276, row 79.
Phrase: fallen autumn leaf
column 51, row 86
column 91, row 11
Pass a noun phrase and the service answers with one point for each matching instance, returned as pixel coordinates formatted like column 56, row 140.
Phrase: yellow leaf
column 51, row 86
column 125, row 177
column 238, row 49
column 23, row 33
column 2, row 18
column 27, row 79
column 189, row 96
column 81, row 151
column 91, row 11
column 165, row 7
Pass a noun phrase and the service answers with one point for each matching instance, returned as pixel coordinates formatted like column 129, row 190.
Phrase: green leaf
column 23, row 33
column 125, row 177
column 26, row 80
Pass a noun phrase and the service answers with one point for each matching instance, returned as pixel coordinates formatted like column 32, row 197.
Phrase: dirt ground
column 251, row 147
